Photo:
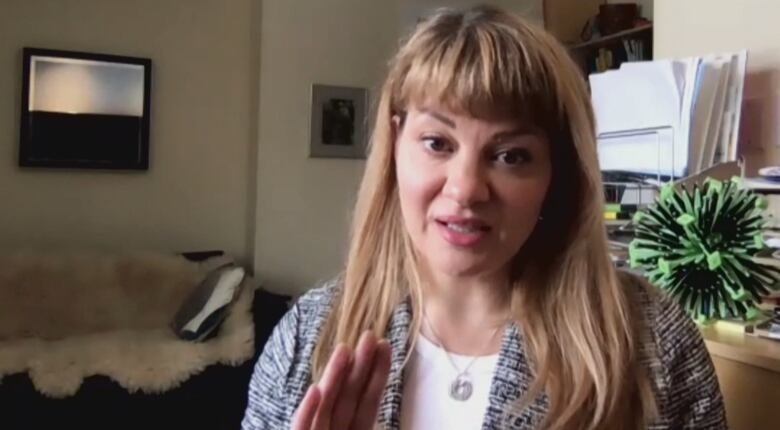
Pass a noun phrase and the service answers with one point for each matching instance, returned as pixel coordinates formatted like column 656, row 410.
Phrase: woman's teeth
column 462, row 228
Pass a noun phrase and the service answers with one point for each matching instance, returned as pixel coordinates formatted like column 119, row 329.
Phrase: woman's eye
column 513, row 157
column 435, row 144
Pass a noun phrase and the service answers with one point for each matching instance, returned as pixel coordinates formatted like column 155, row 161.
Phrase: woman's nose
column 467, row 182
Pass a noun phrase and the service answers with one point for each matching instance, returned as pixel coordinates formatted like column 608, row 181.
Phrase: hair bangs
column 479, row 70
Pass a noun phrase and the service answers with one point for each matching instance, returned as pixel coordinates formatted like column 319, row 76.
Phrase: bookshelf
column 609, row 52
column 619, row 36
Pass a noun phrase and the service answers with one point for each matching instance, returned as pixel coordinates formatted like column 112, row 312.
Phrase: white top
column 426, row 397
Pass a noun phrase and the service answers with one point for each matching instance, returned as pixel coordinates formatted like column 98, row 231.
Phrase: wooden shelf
column 612, row 37
column 755, row 351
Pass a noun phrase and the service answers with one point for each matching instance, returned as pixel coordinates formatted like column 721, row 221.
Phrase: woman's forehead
column 448, row 115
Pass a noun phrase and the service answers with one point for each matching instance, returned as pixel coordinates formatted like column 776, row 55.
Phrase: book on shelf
column 635, row 49
column 612, row 56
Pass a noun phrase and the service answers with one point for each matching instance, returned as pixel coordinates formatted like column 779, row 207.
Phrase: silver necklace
column 462, row 387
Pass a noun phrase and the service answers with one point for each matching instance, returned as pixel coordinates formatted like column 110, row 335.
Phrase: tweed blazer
column 685, row 384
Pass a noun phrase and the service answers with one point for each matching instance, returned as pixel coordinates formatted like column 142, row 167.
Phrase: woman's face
column 471, row 190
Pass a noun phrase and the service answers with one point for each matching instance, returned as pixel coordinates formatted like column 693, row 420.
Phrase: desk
column 748, row 371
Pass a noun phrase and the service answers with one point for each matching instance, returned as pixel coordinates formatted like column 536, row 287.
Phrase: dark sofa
column 214, row 399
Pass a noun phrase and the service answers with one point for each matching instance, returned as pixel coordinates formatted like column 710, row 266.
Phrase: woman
column 479, row 256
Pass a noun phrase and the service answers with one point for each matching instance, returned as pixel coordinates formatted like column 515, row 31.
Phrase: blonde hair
column 575, row 314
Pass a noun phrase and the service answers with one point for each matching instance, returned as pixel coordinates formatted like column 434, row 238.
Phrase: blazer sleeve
column 693, row 394
column 267, row 406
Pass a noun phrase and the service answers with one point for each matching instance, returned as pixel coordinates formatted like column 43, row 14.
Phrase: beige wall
column 303, row 204
column 196, row 193
column 566, row 18
column 412, row 10
column 694, row 27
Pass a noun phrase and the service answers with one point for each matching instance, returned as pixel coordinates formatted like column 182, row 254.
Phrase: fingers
column 304, row 416
column 368, row 406
column 356, row 381
column 349, row 393
column 330, row 385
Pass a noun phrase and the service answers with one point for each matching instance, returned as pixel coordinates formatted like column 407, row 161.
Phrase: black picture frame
column 84, row 110
column 338, row 126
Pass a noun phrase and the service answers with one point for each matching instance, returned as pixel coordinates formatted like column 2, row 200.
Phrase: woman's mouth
column 461, row 231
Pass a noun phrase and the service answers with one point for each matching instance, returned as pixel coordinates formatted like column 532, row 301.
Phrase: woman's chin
column 462, row 267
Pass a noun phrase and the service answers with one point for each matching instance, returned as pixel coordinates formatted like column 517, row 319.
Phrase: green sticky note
column 762, row 202
column 739, row 295
column 714, row 186
column 714, row 260
column 667, row 191
column 702, row 320
column 685, row 220
column 758, row 240
column 664, row 266
column 753, row 313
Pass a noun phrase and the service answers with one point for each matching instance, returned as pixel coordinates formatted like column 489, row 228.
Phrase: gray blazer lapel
column 511, row 380
column 398, row 335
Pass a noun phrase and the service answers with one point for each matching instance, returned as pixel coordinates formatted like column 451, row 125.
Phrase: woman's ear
column 396, row 122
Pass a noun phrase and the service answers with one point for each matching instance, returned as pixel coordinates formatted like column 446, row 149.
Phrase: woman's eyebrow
column 515, row 132
column 442, row 118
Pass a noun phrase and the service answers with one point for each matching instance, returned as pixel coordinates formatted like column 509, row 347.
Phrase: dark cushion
column 208, row 305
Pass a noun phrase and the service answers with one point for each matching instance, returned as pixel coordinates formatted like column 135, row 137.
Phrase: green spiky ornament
column 698, row 246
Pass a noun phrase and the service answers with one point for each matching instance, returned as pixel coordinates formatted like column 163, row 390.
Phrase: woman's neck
column 467, row 315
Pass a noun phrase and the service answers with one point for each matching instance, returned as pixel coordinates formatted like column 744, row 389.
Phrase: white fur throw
column 66, row 317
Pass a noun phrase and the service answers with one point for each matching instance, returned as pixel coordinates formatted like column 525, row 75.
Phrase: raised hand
column 348, row 395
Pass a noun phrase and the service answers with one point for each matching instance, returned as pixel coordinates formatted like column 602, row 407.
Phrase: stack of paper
column 669, row 117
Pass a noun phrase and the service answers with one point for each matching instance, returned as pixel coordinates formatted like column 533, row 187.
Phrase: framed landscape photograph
column 84, row 110
column 338, row 122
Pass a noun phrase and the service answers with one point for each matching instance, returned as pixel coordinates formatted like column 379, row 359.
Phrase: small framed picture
column 338, row 122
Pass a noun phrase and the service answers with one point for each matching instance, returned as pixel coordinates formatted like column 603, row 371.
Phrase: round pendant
column 461, row 388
